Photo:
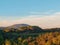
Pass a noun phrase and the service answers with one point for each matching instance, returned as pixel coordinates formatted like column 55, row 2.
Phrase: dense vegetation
column 31, row 35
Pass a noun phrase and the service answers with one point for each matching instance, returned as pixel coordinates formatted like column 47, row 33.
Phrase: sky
column 43, row 13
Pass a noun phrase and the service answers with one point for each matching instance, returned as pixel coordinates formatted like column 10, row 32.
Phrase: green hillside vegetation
column 30, row 35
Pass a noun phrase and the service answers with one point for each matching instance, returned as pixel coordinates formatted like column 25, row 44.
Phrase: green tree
column 1, row 38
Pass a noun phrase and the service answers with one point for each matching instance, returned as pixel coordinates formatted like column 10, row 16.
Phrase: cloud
column 43, row 13
column 48, row 21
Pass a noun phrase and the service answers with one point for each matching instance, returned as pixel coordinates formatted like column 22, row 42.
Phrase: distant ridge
column 18, row 25
column 23, row 28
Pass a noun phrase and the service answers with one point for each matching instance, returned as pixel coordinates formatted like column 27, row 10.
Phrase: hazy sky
column 44, row 13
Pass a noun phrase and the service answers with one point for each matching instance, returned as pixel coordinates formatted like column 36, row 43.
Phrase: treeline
column 30, row 36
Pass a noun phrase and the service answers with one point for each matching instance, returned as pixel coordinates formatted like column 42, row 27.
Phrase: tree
column 7, row 42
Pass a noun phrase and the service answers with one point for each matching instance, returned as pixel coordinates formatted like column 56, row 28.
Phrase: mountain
column 18, row 25
column 33, row 29
column 23, row 28
column 52, row 30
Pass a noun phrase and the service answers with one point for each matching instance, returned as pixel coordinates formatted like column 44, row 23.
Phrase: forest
column 29, row 35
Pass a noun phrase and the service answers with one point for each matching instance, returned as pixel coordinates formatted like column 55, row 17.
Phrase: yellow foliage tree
column 7, row 42
column 6, row 30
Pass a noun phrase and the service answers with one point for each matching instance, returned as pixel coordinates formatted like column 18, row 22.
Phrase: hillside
column 23, row 34
column 22, row 28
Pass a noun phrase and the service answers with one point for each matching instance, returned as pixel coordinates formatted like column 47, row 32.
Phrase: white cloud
column 48, row 21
